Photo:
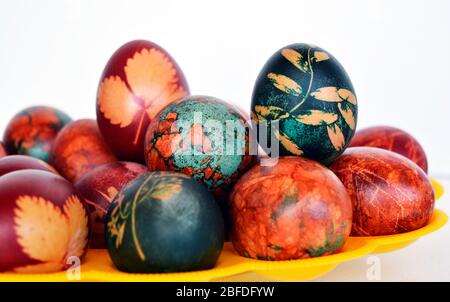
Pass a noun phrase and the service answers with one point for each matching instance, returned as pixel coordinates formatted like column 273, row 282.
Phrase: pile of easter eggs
column 161, row 178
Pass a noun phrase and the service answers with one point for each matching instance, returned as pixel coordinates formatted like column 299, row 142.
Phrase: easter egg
column 164, row 222
column 13, row 163
column 305, row 101
column 78, row 148
column 392, row 139
column 202, row 137
column 138, row 81
column 2, row 150
column 99, row 186
column 294, row 209
column 390, row 193
column 32, row 131
column 44, row 223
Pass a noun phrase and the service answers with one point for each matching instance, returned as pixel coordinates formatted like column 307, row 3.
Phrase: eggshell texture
column 2, row 150
column 164, row 222
column 13, row 163
column 392, row 139
column 137, row 82
column 78, row 148
column 190, row 136
column 43, row 222
column 99, row 186
column 32, row 131
column 294, row 209
column 390, row 193
column 307, row 91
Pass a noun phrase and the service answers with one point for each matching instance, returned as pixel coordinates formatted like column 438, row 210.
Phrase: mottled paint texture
column 178, row 141
column 307, row 91
column 78, row 148
column 390, row 193
column 392, row 139
column 33, row 130
column 164, row 222
column 293, row 210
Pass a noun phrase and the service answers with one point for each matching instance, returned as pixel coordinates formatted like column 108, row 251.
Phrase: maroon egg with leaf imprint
column 2, row 150
column 99, row 186
column 390, row 193
column 294, row 209
column 392, row 139
column 138, row 81
column 13, row 163
column 43, row 221
column 78, row 148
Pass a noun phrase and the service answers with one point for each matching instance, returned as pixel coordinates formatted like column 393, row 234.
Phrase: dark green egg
column 307, row 91
column 164, row 222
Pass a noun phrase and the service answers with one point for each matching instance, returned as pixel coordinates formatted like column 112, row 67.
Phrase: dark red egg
column 78, row 148
column 13, row 163
column 390, row 193
column 138, row 81
column 32, row 131
column 44, row 223
column 294, row 209
column 2, row 150
column 99, row 187
column 392, row 139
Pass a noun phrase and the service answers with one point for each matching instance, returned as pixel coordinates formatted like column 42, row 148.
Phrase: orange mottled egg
column 99, row 187
column 2, row 150
column 392, row 139
column 294, row 209
column 78, row 148
column 138, row 81
column 390, row 193
column 43, row 221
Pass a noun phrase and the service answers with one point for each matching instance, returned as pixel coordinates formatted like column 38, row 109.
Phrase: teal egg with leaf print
column 306, row 100
column 164, row 222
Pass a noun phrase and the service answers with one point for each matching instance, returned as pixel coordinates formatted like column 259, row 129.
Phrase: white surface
column 396, row 53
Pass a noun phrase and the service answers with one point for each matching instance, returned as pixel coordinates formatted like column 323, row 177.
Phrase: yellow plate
column 98, row 266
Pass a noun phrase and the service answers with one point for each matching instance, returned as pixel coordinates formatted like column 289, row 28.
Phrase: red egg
column 138, row 81
column 78, row 148
column 390, row 193
column 2, row 150
column 44, row 223
column 392, row 139
column 13, row 163
column 294, row 209
column 99, row 186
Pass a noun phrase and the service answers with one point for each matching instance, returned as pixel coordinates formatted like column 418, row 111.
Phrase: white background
column 397, row 54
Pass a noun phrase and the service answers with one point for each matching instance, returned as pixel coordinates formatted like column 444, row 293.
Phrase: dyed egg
column 307, row 102
column 392, row 139
column 292, row 210
column 32, row 131
column 138, row 81
column 99, row 186
column 191, row 136
column 164, row 222
column 44, row 224
column 78, row 148
column 13, row 163
column 390, row 193
column 2, row 150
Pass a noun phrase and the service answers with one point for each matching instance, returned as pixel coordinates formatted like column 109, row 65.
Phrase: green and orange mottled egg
column 307, row 92
column 33, row 130
column 202, row 137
